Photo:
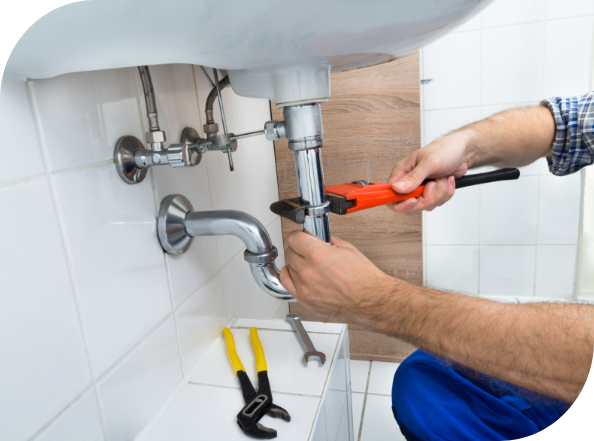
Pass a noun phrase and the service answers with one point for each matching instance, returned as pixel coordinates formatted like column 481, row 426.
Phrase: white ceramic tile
column 359, row 374
column 512, row 64
column 509, row 212
column 559, row 209
column 241, row 297
column 219, row 406
column 189, row 270
column 558, row 80
column 80, row 422
column 453, row 268
column 507, row 271
column 256, row 155
column 358, row 400
column 343, row 429
column 176, row 98
column 471, row 25
column 118, row 261
column 44, row 364
column 453, row 62
column 283, row 357
column 282, row 325
column 378, row 421
column 455, row 222
column 200, row 322
column 569, row 8
column 283, row 311
column 381, row 377
column 319, row 430
column 334, row 403
column 556, row 271
column 82, row 115
column 227, row 188
column 136, row 390
column 441, row 122
column 512, row 12
column 18, row 131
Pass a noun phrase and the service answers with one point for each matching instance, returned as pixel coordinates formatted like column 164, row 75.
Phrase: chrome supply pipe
column 304, row 131
column 177, row 224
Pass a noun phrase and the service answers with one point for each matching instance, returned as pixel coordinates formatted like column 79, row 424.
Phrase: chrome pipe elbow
column 177, row 224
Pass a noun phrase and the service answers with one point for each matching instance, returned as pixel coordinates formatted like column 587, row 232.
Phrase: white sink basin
column 274, row 49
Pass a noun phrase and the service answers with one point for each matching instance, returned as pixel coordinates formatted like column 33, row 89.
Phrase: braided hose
column 212, row 96
column 149, row 97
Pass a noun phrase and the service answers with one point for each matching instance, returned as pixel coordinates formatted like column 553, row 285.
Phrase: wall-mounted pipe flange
column 171, row 224
column 123, row 157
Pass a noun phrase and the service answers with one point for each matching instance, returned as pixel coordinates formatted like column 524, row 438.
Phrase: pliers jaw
column 259, row 404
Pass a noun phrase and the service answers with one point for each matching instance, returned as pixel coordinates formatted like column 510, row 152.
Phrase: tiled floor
column 371, row 383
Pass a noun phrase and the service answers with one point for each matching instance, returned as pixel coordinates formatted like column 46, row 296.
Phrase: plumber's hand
column 336, row 281
column 444, row 159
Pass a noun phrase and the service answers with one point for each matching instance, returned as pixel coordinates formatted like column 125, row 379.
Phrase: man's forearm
column 514, row 138
column 543, row 347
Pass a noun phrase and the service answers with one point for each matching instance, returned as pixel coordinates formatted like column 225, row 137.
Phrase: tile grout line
column 364, row 402
column 69, row 261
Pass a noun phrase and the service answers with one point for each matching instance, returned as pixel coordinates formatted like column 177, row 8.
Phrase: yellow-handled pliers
column 257, row 403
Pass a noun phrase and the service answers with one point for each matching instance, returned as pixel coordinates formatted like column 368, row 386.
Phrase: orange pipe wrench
column 360, row 195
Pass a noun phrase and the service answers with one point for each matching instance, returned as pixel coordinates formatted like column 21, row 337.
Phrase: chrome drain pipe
column 177, row 224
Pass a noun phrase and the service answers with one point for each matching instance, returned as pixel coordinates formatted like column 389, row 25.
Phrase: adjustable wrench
column 308, row 347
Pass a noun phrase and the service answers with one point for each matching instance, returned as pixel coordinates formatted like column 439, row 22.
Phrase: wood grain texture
column 371, row 121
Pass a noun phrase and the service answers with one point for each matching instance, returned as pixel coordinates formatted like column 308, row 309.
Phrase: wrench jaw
column 320, row 356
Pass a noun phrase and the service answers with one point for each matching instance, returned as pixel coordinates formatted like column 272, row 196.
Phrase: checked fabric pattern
column 573, row 147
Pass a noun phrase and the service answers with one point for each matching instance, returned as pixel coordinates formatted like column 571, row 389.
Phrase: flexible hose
column 149, row 97
column 212, row 96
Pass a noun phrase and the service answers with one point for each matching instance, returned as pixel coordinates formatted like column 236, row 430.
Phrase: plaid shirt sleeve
column 573, row 147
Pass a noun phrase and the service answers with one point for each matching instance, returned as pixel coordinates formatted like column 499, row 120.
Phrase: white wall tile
column 568, row 43
column 283, row 311
column 569, row 8
column 441, row 122
column 80, row 422
column 512, row 12
column 82, row 115
column 189, row 270
column 118, row 261
column 359, row 375
column 507, row 271
column 509, row 212
column 136, row 390
column 559, row 209
column 512, row 64
column 378, row 421
column 18, row 131
column 381, row 377
column 176, row 98
column 44, row 365
column 453, row 62
column 455, row 222
column 556, row 271
column 200, row 322
column 241, row 296
column 453, row 268
column 357, row 412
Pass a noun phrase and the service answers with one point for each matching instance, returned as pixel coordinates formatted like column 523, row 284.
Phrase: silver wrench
column 308, row 347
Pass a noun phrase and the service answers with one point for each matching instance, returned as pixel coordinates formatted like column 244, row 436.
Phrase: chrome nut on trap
column 154, row 137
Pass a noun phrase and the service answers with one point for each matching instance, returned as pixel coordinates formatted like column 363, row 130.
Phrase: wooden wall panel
column 371, row 121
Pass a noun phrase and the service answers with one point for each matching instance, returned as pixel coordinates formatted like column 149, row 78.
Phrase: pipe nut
column 210, row 128
column 274, row 130
column 156, row 136
column 261, row 258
